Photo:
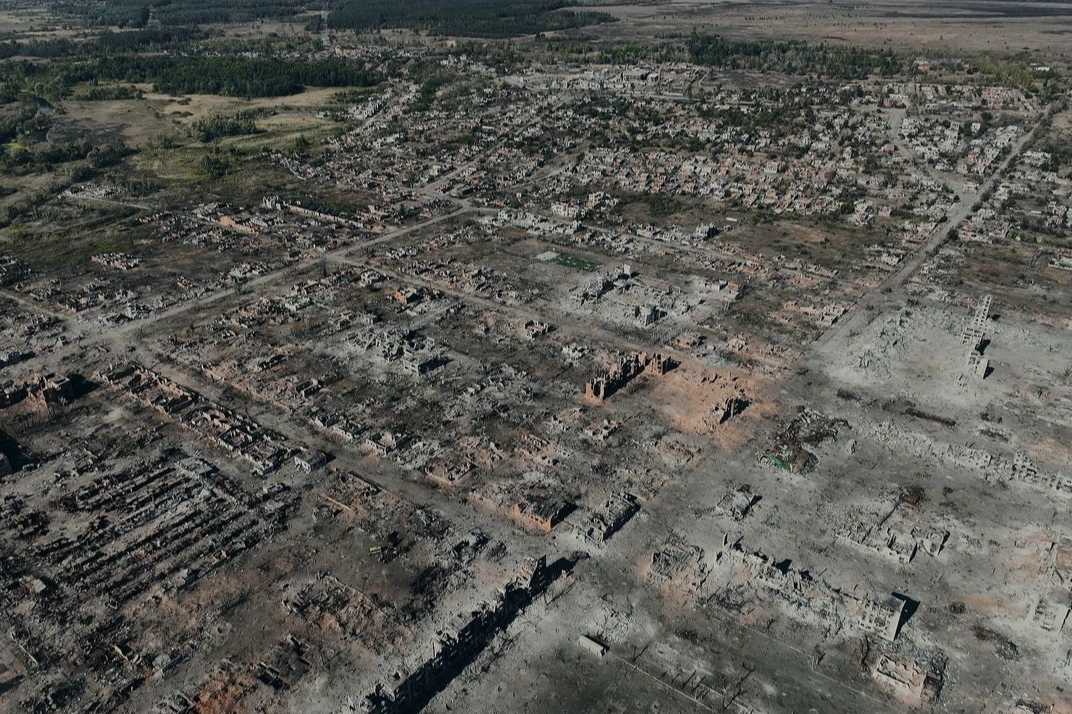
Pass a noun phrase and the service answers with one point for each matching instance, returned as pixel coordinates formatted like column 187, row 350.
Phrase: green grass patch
column 572, row 261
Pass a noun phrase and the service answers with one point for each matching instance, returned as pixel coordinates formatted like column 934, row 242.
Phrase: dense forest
column 224, row 75
column 150, row 40
column 466, row 18
column 793, row 57
column 230, row 76
column 139, row 13
column 473, row 18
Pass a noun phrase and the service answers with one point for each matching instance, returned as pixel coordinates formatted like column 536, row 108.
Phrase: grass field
column 133, row 120
column 572, row 261
column 190, row 108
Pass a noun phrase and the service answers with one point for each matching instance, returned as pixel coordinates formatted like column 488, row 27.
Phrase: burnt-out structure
column 624, row 371
column 407, row 693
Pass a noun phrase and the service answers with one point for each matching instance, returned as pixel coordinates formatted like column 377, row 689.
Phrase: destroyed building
column 624, row 371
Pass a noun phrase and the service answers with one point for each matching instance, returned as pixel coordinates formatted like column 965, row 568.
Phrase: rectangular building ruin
column 626, row 370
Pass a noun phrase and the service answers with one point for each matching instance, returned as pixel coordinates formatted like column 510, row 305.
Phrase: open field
column 1041, row 29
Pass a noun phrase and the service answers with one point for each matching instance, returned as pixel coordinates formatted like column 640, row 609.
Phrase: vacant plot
column 130, row 120
column 967, row 26
column 189, row 109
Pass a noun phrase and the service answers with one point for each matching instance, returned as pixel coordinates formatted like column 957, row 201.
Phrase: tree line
column 793, row 57
column 466, row 18
column 156, row 40
column 229, row 76
column 139, row 13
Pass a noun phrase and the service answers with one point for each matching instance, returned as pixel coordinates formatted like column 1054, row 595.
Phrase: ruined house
column 626, row 370
column 539, row 513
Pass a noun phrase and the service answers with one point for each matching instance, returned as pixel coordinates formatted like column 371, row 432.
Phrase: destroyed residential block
column 881, row 616
column 625, row 371
column 451, row 471
column 730, row 407
column 899, row 546
column 1050, row 615
column 737, row 503
column 418, row 363
column 540, row 513
column 933, row 540
column 309, row 460
column 788, row 447
column 811, row 598
column 410, row 691
column 605, row 520
column 384, row 443
column 44, row 390
column 973, row 339
column 908, row 680
column 678, row 562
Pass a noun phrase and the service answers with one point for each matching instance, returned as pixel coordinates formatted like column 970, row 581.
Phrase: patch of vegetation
column 577, row 263
column 334, row 205
column 465, row 18
column 18, row 127
column 763, row 217
column 660, row 206
column 427, row 95
column 793, row 57
column 45, row 156
column 215, row 165
column 155, row 40
column 216, row 127
column 138, row 13
column 230, row 76
column 106, row 93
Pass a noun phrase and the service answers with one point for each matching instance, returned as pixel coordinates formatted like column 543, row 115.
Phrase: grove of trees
column 464, row 18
